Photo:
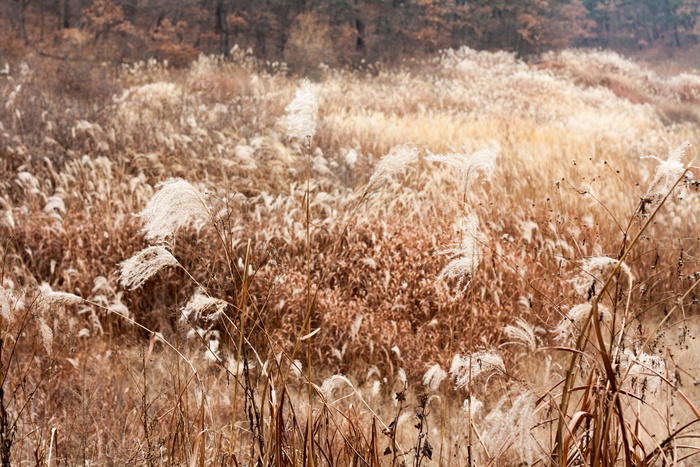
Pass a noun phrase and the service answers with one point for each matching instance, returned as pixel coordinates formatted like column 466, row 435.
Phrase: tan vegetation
column 468, row 260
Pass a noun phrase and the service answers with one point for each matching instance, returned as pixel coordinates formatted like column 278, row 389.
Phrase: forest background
column 306, row 33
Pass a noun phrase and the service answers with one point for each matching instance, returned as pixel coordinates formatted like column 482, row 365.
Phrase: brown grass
column 93, row 143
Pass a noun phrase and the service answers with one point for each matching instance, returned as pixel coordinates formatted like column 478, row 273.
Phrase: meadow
column 465, row 260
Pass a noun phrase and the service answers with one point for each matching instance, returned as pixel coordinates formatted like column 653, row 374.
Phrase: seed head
column 522, row 334
column 433, row 377
column 144, row 264
column 571, row 325
column 176, row 204
column 481, row 362
column 667, row 173
column 49, row 300
column 592, row 274
column 392, row 164
column 302, row 113
column 458, row 273
column 470, row 166
column 201, row 305
column 46, row 335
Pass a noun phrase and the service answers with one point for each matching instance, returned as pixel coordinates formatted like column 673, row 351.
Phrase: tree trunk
column 222, row 28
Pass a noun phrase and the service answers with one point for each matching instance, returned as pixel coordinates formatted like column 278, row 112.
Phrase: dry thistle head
column 302, row 114
column 466, row 369
column 139, row 268
column 469, row 165
column 176, row 204
column 392, row 164
column 667, row 173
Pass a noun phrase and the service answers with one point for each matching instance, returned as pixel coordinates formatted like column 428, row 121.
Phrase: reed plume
column 139, row 268
column 176, row 204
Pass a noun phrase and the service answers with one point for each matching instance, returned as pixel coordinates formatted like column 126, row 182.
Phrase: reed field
column 469, row 260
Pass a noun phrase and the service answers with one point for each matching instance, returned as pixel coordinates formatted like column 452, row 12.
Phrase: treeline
column 305, row 33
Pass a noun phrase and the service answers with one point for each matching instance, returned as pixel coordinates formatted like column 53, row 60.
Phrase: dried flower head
column 522, row 334
column 144, row 264
column 469, row 165
column 203, row 306
column 46, row 335
column 49, row 300
column 332, row 384
column 571, row 325
column 667, row 173
column 434, row 376
column 466, row 369
column 472, row 406
column 591, row 274
column 458, row 273
column 6, row 308
column 392, row 164
column 302, row 113
column 647, row 371
column 176, row 204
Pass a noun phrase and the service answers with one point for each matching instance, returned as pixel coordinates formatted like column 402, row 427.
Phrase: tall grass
column 341, row 273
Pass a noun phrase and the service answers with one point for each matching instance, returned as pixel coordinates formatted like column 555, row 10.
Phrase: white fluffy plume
column 470, row 166
column 466, row 255
column 139, row 268
column 667, row 173
column 176, row 204
column 302, row 113
column 466, row 369
column 392, row 164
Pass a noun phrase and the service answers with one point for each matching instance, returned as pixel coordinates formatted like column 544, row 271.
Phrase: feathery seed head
column 296, row 368
column 302, row 113
column 49, row 300
column 522, row 334
column 144, row 264
column 591, row 274
column 202, row 305
column 458, row 273
column 667, row 172
column 647, row 370
column 46, row 335
column 212, row 352
column 570, row 326
column 176, row 204
column 470, row 166
column 330, row 385
column 433, row 377
column 481, row 362
column 401, row 376
column 472, row 406
column 392, row 164
column 6, row 307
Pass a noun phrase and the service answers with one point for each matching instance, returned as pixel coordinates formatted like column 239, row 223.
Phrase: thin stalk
column 243, row 314
column 565, row 399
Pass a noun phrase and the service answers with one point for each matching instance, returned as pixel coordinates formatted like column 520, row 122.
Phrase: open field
column 467, row 228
